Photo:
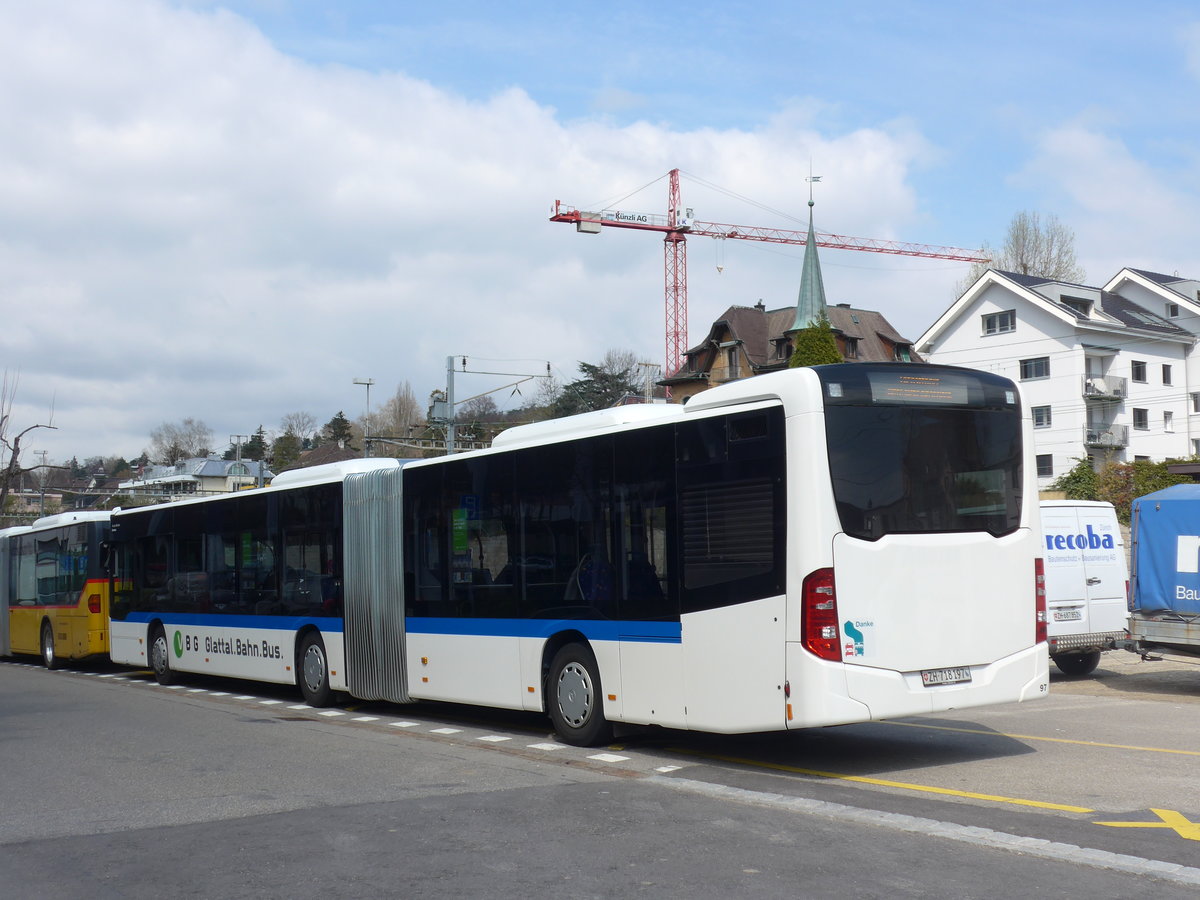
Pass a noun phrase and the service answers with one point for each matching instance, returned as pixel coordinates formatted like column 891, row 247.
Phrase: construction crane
column 677, row 224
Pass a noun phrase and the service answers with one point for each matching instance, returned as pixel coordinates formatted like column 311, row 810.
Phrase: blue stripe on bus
column 592, row 629
column 212, row 620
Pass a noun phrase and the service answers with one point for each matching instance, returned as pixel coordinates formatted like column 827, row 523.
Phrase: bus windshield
column 941, row 455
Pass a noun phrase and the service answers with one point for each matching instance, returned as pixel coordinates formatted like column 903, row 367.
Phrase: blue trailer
column 1164, row 603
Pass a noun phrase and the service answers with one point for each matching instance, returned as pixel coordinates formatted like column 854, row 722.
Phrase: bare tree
column 1032, row 247
column 171, row 442
column 12, row 468
column 301, row 424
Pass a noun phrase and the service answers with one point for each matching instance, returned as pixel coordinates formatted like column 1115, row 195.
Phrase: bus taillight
column 93, row 603
column 819, row 617
column 1039, row 582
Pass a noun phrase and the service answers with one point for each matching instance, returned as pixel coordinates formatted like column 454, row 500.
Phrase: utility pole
column 366, row 382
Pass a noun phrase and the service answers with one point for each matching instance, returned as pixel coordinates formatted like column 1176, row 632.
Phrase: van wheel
column 574, row 700
column 49, row 656
column 1077, row 663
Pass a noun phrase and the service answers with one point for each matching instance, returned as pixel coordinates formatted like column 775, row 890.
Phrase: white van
column 1087, row 582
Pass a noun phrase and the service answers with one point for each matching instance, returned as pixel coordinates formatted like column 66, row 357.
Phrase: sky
column 232, row 211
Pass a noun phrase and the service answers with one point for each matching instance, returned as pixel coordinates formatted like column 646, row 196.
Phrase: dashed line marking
column 546, row 745
column 495, row 738
column 270, row 702
column 330, row 713
column 404, row 724
column 445, row 731
column 609, row 757
column 365, row 719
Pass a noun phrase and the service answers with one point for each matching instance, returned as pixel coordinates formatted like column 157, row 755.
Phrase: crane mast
column 677, row 225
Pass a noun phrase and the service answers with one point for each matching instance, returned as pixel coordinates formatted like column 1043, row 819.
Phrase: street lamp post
column 366, row 382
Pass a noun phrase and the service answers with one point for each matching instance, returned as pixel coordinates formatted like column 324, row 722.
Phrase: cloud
column 193, row 223
column 1124, row 209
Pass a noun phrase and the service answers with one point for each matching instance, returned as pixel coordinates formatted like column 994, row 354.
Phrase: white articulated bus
column 812, row 547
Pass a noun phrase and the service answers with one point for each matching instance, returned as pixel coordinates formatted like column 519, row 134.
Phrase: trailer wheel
column 1077, row 664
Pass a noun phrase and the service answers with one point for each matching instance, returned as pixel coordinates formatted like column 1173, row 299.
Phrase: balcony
column 1110, row 437
column 1104, row 387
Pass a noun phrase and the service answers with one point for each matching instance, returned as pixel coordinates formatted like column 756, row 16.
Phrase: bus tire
column 49, row 655
column 574, row 698
column 1077, row 664
column 159, row 657
column 312, row 671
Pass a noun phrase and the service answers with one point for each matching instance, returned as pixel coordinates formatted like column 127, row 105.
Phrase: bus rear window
column 908, row 469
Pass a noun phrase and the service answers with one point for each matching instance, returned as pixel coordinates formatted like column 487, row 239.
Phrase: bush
column 1121, row 483
column 1080, row 483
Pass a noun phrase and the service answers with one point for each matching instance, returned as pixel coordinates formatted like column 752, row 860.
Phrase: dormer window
column 1077, row 304
column 903, row 353
column 851, row 348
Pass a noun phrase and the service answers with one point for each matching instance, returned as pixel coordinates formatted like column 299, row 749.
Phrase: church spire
column 810, row 306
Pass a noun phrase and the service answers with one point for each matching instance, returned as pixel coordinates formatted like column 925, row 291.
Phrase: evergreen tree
column 256, row 447
column 815, row 346
column 337, row 430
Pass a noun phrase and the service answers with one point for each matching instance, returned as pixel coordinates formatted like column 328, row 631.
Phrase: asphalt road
column 117, row 788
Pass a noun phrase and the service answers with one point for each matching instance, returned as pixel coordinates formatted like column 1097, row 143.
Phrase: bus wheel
column 1077, row 663
column 313, row 671
column 160, row 658
column 49, row 657
column 574, row 698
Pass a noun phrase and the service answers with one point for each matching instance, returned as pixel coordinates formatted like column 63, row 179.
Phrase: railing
column 1104, row 387
column 1114, row 436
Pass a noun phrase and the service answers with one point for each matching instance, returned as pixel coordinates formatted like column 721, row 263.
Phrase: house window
column 1141, row 459
column 1141, row 419
column 999, row 323
column 1077, row 304
column 1166, row 374
column 1168, row 421
column 851, row 348
column 903, row 353
column 1045, row 465
column 1139, row 371
column 1172, row 310
column 731, row 363
column 1039, row 367
column 1041, row 417
column 1196, row 403
column 1195, row 446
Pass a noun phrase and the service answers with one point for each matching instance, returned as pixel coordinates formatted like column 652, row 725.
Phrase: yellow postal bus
column 53, row 590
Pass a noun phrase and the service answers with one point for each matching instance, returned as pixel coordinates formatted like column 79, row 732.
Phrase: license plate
column 1068, row 615
column 934, row 677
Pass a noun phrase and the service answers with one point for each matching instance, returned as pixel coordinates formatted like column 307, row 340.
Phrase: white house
column 199, row 475
column 1109, row 373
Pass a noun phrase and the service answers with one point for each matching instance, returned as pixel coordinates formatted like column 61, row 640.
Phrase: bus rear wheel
column 313, row 671
column 49, row 655
column 160, row 658
column 574, row 700
column 1077, row 663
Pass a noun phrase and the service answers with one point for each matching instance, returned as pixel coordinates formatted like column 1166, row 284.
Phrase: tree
column 171, row 442
column 285, row 451
column 337, row 430
column 1032, row 247
column 602, row 385
column 11, row 469
column 256, row 447
column 302, row 425
column 815, row 346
